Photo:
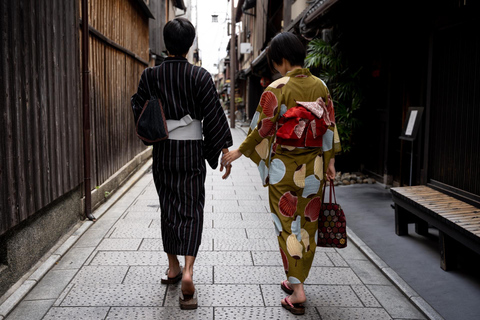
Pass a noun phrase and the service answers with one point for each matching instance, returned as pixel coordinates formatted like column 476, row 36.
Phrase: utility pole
column 233, row 60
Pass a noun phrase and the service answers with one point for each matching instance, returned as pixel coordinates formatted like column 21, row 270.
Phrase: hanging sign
column 412, row 123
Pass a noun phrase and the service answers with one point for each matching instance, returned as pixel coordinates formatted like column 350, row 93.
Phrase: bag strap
column 332, row 189
column 148, row 85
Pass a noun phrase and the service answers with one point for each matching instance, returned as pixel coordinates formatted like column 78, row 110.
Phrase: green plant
column 343, row 81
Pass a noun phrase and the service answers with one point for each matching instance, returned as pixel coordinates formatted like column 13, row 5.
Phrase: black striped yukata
column 179, row 168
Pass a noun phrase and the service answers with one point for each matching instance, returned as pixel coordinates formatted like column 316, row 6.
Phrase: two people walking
column 292, row 139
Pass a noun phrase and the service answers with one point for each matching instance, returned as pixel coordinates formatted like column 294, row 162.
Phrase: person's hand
column 331, row 170
column 227, row 170
column 231, row 156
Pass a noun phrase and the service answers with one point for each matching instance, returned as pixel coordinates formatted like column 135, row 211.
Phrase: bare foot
column 187, row 283
column 297, row 297
column 174, row 270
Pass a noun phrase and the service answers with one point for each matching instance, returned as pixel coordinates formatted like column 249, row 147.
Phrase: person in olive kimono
column 293, row 140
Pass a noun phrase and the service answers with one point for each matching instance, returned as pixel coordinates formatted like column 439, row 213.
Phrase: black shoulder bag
column 151, row 125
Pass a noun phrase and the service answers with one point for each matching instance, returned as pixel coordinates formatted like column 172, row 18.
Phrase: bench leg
column 421, row 227
column 402, row 219
column 447, row 252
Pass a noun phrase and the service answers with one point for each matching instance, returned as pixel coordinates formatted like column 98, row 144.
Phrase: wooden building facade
column 41, row 134
column 415, row 54
column 418, row 55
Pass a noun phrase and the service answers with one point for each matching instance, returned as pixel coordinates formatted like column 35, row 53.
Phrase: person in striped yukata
column 188, row 95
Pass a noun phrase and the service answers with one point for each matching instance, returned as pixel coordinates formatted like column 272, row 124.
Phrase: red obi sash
column 299, row 127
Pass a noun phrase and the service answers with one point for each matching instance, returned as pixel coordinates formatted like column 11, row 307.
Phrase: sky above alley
column 212, row 36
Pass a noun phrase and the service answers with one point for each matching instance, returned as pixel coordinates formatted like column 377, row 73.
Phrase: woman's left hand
column 331, row 170
column 231, row 156
column 227, row 159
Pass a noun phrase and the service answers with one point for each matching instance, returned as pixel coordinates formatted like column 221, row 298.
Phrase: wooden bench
column 456, row 220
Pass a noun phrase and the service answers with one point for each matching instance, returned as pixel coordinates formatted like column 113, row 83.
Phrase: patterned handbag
column 332, row 225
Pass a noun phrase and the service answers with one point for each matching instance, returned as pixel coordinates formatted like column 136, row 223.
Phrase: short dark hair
column 178, row 35
column 286, row 46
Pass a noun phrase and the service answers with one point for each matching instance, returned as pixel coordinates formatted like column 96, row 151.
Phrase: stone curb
column 413, row 296
column 11, row 302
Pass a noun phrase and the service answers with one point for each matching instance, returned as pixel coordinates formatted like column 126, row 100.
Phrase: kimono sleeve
column 141, row 96
column 331, row 140
column 257, row 145
column 216, row 131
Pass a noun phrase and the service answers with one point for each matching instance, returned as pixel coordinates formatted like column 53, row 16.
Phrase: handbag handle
column 332, row 189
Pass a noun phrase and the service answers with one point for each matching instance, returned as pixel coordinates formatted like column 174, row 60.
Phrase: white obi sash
column 185, row 129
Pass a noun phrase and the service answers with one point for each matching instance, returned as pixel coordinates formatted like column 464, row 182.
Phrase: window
column 214, row 17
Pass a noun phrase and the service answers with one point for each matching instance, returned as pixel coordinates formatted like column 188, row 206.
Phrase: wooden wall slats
column 41, row 152
column 40, row 148
column 114, row 141
column 454, row 152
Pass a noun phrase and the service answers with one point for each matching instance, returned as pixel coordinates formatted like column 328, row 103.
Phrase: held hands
column 227, row 159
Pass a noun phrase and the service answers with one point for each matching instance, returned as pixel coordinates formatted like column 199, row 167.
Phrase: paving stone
column 262, row 233
column 215, row 181
column 396, row 304
column 337, row 259
column 31, row 310
column 224, row 234
column 233, row 216
column 223, row 202
column 125, row 295
column 107, row 224
column 157, row 245
column 367, row 298
column 368, row 273
column 249, row 275
column 223, row 258
column 223, row 209
column 135, row 215
column 91, row 238
column 62, row 295
column 251, row 188
column 130, row 258
column 164, row 313
column 246, row 245
column 154, row 274
column 126, row 233
column 119, row 244
column 335, row 313
column 228, row 193
column 91, row 275
column 135, row 223
column 332, row 275
column 155, row 233
column 231, row 195
column 257, row 216
column 351, row 252
column 114, row 212
column 254, row 203
column 74, row 259
column 317, row 295
column 51, row 285
column 145, row 205
column 76, row 313
column 259, row 313
column 244, row 224
column 220, row 295
column 274, row 259
column 207, row 223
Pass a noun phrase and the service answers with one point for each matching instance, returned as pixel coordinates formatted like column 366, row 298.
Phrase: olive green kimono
column 294, row 175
